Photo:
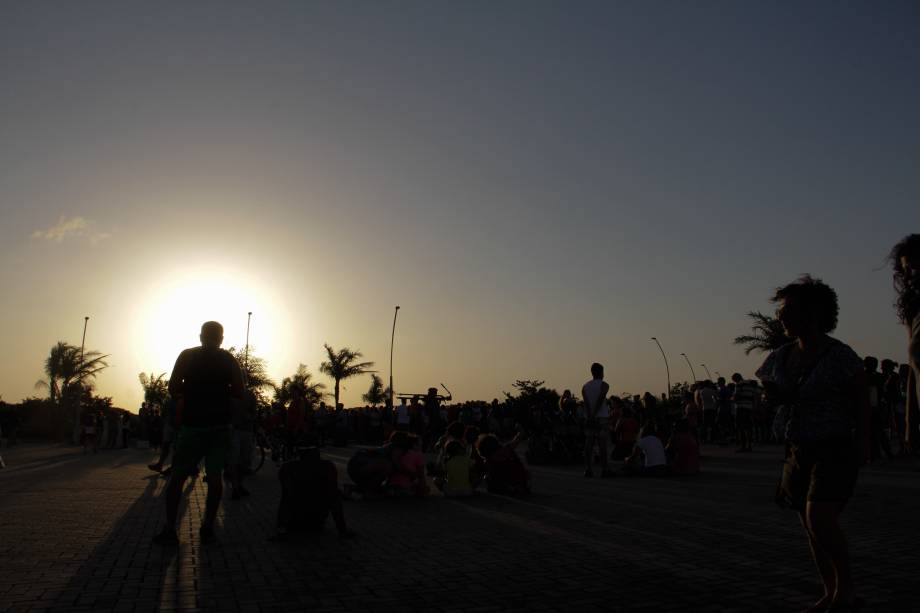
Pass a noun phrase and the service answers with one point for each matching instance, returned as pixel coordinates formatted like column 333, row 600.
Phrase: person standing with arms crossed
column 597, row 413
column 203, row 381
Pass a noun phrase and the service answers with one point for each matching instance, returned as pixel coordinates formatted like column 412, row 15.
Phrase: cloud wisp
column 71, row 227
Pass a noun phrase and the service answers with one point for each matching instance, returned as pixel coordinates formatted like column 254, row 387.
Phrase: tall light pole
column 667, row 368
column 691, row 367
column 708, row 374
column 76, row 406
column 246, row 354
column 392, row 338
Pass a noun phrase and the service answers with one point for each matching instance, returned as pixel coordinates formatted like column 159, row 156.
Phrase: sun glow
column 169, row 318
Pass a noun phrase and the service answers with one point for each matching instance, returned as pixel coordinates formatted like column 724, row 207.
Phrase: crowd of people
column 832, row 410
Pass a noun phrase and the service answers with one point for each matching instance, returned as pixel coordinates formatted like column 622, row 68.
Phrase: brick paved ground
column 75, row 536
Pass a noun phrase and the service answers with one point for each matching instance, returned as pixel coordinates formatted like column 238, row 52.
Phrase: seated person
column 370, row 469
column 625, row 433
column 683, row 450
column 459, row 472
column 505, row 472
column 408, row 476
column 454, row 433
column 648, row 459
column 309, row 494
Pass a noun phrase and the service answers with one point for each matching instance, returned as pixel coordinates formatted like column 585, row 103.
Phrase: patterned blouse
column 823, row 410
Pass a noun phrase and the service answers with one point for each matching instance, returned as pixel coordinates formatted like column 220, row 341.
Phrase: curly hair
column 907, row 304
column 818, row 297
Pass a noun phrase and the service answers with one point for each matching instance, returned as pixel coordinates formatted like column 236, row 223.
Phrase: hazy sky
column 539, row 185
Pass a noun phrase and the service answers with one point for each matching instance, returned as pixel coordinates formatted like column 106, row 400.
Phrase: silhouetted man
column 203, row 381
column 597, row 414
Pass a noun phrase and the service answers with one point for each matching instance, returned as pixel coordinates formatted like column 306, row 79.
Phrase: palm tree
column 69, row 371
column 156, row 388
column 303, row 379
column 255, row 371
column 65, row 368
column 342, row 365
column 376, row 394
column 767, row 334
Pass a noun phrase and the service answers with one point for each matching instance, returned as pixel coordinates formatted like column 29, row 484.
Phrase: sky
column 538, row 185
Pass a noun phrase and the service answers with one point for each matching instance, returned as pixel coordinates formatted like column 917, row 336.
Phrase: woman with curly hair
column 905, row 259
column 821, row 386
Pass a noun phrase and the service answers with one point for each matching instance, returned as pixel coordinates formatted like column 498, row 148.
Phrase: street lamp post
column 691, row 367
column 708, row 374
column 392, row 338
column 76, row 406
column 667, row 368
column 246, row 354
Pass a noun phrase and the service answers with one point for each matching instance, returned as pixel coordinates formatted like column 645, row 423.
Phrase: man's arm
column 178, row 375
column 237, row 389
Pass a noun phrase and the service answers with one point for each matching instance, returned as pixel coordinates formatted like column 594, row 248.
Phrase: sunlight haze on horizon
column 538, row 185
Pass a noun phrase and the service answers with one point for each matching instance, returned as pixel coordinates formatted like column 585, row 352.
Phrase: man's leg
column 218, row 445
column 215, row 492
column 589, row 451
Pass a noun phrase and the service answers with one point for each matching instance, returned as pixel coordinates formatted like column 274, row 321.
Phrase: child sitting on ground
column 454, row 433
column 409, row 474
column 505, row 472
column 459, row 478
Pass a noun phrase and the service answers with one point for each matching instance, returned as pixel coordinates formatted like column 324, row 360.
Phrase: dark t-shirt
column 207, row 374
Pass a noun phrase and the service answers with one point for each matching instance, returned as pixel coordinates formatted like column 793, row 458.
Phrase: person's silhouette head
column 888, row 366
column 807, row 308
column 212, row 334
column 597, row 371
column 905, row 260
column 737, row 378
column 870, row 363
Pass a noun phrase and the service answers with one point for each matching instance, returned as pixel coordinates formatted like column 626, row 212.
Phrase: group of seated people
column 465, row 460
column 651, row 457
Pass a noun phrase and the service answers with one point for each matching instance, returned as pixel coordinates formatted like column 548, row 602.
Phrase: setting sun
column 170, row 315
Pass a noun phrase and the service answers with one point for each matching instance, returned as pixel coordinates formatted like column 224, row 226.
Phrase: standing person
column 594, row 394
column 822, row 385
column 897, row 388
column 89, row 431
column 743, row 398
column 169, row 436
column 402, row 416
column 243, row 415
column 881, row 415
column 905, row 259
column 708, row 400
column 203, row 381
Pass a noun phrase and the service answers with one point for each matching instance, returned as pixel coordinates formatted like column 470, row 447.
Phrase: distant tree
column 255, row 369
column 64, row 366
column 156, row 388
column 343, row 365
column 302, row 378
column 527, row 386
column 67, row 372
column 376, row 394
column 767, row 334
